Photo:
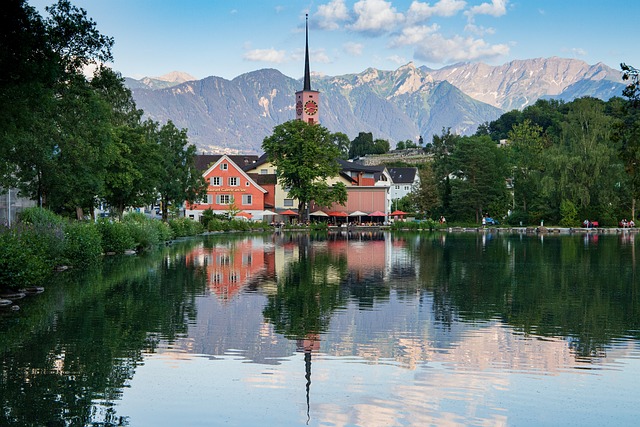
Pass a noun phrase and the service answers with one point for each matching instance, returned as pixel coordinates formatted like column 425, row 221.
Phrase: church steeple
column 307, row 100
column 307, row 74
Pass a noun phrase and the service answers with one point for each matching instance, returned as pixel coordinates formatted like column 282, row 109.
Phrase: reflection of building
column 232, row 266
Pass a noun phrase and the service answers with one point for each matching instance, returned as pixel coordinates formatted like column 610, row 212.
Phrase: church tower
column 307, row 100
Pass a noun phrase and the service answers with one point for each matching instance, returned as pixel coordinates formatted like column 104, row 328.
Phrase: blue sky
column 228, row 38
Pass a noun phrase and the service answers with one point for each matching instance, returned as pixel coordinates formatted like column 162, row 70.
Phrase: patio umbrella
column 397, row 213
column 336, row 213
column 359, row 214
column 318, row 213
column 377, row 214
column 244, row 214
column 288, row 212
column 267, row 212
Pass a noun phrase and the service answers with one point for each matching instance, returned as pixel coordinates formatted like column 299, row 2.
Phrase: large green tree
column 305, row 157
column 480, row 184
column 175, row 175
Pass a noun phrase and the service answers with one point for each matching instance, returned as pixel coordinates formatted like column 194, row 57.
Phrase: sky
column 228, row 38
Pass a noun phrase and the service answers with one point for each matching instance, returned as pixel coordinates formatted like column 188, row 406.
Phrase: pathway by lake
column 340, row 329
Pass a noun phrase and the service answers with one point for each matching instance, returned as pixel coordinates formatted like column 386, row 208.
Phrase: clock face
column 299, row 108
column 311, row 107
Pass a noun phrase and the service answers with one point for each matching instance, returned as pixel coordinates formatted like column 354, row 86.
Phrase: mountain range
column 234, row 116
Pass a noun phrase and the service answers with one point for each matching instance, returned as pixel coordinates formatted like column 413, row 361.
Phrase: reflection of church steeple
column 307, row 100
column 308, row 345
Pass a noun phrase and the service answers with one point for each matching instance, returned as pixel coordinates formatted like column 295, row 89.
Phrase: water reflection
column 402, row 329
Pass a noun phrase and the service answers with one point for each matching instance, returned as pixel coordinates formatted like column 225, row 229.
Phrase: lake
column 339, row 329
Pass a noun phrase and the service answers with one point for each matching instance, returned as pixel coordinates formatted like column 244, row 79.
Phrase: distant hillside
column 518, row 84
column 234, row 116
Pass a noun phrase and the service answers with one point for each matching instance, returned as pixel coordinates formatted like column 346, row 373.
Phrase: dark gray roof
column 203, row 161
column 351, row 166
column 403, row 175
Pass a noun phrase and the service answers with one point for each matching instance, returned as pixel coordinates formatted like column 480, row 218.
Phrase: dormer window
column 224, row 166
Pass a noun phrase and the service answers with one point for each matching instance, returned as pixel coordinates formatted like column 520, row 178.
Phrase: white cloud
column 398, row 59
column 375, row 17
column 479, row 30
column 319, row 56
column 435, row 48
column 266, row 55
column 576, row 51
column 413, row 35
column 330, row 15
column 353, row 49
column 420, row 12
column 495, row 8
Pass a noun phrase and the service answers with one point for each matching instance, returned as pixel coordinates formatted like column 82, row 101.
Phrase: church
column 248, row 184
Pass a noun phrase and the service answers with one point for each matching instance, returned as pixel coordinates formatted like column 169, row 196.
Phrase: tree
column 426, row 195
column 176, row 177
column 341, row 141
column 442, row 147
column 525, row 151
column 361, row 145
column 305, row 157
column 632, row 91
column 480, row 169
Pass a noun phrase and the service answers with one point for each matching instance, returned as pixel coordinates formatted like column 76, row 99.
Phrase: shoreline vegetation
column 42, row 243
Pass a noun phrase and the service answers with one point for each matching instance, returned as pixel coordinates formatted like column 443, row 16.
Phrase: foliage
column 341, row 141
column 305, row 158
column 183, row 227
column 364, row 144
column 569, row 214
column 82, row 244
column 20, row 263
column 425, row 197
column 115, row 236
column 177, row 178
column 44, row 233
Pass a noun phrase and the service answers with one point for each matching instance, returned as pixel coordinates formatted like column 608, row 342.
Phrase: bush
column 569, row 214
column 183, row 227
column 115, row 236
column 144, row 234
column 82, row 244
column 20, row 265
column 164, row 230
column 43, row 232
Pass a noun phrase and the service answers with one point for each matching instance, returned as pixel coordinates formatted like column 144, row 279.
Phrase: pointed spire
column 307, row 75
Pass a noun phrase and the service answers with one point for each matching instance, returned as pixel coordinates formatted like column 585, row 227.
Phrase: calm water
column 368, row 329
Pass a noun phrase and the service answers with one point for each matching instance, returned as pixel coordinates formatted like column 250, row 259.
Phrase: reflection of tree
column 554, row 287
column 307, row 294
column 78, row 343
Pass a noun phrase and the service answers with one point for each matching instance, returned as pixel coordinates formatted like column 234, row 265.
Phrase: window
column 247, row 199
column 234, row 181
column 223, row 199
column 209, row 199
column 263, row 171
column 216, row 181
column 224, row 166
column 397, row 187
column 406, row 188
column 288, row 202
column 247, row 183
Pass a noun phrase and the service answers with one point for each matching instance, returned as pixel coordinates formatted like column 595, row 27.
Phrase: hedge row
column 41, row 241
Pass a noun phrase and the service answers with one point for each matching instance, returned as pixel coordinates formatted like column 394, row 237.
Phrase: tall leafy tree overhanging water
column 67, row 141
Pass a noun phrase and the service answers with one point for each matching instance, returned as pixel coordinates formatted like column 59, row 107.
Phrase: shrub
column 43, row 232
column 144, row 234
column 82, row 244
column 115, row 236
column 20, row 265
column 182, row 227
column 164, row 230
column 569, row 214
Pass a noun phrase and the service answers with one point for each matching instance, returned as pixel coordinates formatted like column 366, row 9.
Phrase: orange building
column 228, row 187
